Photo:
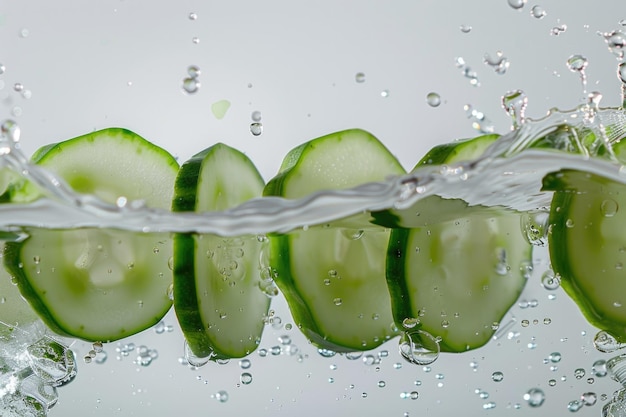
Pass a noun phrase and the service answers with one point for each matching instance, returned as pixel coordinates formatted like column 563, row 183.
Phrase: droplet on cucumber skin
column 433, row 99
column 609, row 208
column 419, row 347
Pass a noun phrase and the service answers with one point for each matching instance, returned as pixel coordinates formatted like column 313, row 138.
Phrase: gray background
column 90, row 65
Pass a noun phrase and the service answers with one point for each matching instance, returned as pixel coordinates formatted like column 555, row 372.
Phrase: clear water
column 293, row 378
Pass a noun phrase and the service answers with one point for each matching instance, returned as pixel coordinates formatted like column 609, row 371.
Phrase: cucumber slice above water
column 333, row 278
column 455, row 270
column 587, row 243
column 99, row 284
column 217, row 296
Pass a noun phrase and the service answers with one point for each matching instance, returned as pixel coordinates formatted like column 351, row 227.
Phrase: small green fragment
column 219, row 108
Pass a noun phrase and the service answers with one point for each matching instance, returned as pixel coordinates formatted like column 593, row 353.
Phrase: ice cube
column 51, row 361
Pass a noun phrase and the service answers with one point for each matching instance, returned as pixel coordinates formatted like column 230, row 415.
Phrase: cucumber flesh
column 455, row 270
column 96, row 284
column 587, row 242
column 333, row 278
column 217, row 295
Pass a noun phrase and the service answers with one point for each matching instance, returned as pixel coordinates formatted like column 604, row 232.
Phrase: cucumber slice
column 97, row 284
column 333, row 277
column 457, row 270
column 587, row 242
column 217, row 298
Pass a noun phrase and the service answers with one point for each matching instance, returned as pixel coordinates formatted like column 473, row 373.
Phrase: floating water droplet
column 465, row 28
column 517, row 4
column 579, row 373
column 538, row 12
column 24, row 32
column 256, row 116
column 193, row 16
column 514, row 104
column 616, row 41
column 599, row 369
column 384, row 93
column 193, row 71
column 2, row 69
column 195, row 40
column 433, row 99
column 18, row 87
column 191, row 85
column 221, row 396
column 479, row 121
column 589, row 398
column 419, row 347
column 10, row 130
column 606, row 342
column 467, row 71
column 557, row 30
column 256, row 128
column 534, row 397
column 574, row 406
column 550, row 281
column 499, row 63
column 497, row 376
column 359, row 77
column 246, row 378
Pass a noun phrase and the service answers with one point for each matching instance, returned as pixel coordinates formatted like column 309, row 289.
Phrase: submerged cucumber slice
column 97, row 284
column 333, row 277
column 587, row 243
column 217, row 298
column 455, row 271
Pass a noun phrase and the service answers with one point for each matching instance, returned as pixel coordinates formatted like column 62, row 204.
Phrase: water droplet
column 2, row 69
column 221, row 396
column 479, row 121
column 606, row 342
column 410, row 322
column 419, row 347
column 246, row 378
column 195, row 40
column 326, row 353
column 256, row 128
column 245, row 364
column 534, row 397
column 616, row 41
column 574, row 406
column 489, row 406
column 467, row 71
column 550, row 281
column 24, row 32
column 337, row 301
column 382, row 384
column 621, row 72
column 51, row 361
column 465, row 28
column 384, row 93
column 599, row 369
column 359, row 77
column 256, row 116
column 557, row 30
column 9, row 130
column 552, row 382
column 609, row 207
column 616, row 367
column 18, row 87
column 191, row 85
column 538, row 12
column 514, row 104
column 499, row 63
column 433, row 99
column 193, row 16
column 497, row 376
column 517, row 4
column 579, row 373
column 589, row 398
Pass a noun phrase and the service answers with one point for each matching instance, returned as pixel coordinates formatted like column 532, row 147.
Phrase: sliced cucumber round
column 454, row 270
column 98, row 284
column 587, row 243
column 333, row 278
column 217, row 296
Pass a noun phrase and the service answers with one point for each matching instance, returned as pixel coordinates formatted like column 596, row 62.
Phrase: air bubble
column 433, row 99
